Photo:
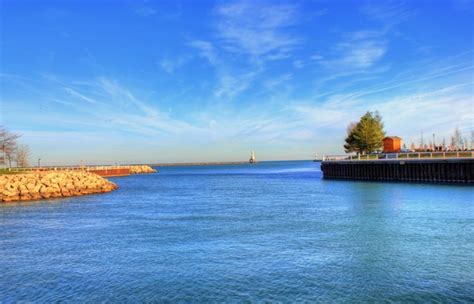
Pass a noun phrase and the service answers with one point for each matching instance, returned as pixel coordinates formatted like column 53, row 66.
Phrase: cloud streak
column 256, row 29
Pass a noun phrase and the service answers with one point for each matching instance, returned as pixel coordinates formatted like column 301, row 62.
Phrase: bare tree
column 22, row 155
column 456, row 139
column 472, row 140
column 8, row 144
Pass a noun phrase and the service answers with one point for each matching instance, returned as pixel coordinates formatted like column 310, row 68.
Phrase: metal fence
column 401, row 156
column 66, row 168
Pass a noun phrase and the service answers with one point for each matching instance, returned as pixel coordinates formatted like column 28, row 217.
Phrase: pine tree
column 351, row 145
column 366, row 136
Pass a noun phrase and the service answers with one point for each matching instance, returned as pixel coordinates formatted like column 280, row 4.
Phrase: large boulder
column 140, row 169
column 36, row 185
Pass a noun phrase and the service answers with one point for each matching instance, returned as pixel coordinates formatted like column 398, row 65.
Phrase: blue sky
column 170, row 81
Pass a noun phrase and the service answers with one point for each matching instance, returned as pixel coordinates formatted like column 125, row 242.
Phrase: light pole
column 4, row 155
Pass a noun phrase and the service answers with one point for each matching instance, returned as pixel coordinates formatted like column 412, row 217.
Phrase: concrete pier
column 104, row 171
column 455, row 170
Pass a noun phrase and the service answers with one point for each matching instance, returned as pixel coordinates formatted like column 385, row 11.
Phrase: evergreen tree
column 366, row 136
column 351, row 145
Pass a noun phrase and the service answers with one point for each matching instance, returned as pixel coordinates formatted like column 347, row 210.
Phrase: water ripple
column 274, row 232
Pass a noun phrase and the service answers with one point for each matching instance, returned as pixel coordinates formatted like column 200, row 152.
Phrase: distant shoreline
column 218, row 163
column 199, row 164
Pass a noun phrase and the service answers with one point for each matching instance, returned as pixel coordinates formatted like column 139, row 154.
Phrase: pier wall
column 104, row 171
column 437, row 171
column 111, row 172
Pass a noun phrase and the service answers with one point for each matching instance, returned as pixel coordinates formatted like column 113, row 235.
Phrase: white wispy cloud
column 274, row 82
column 206, row 50
column 248, row 35
column 230, row 81
column 145, row 11
column 109, row 105
column 320, row 12
column 316, row 57
column 361, row 54
column 81, row 96
column 417, row 77
column 358, row 50
column 299, row 64
column 230, row 85
column 122, row 94
column 361, row 49
column 257, row 29
column 388, row 13
column 171, row 65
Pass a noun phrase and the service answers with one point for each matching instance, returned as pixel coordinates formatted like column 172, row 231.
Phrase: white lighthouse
column 252, row 159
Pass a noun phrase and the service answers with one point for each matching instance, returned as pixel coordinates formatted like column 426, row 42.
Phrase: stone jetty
column 141, row 169
column 51, row 184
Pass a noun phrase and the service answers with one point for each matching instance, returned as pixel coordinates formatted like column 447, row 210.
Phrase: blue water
column 270, row 232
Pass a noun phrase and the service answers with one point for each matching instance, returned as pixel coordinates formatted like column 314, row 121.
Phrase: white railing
column 336, row 157
column 401, row 156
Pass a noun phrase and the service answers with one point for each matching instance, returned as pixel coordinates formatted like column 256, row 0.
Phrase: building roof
column 392, row 137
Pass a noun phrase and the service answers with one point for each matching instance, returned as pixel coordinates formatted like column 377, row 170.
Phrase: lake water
column 274, row 231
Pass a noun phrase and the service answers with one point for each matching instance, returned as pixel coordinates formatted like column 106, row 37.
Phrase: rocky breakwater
column 42, row 185
column 141, row 169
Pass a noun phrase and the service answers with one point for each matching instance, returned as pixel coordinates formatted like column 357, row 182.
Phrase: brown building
column 392, row 144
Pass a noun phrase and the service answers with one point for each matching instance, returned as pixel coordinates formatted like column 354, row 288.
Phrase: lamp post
column 4, row 155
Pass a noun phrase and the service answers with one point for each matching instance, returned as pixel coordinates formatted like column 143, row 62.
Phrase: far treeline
column 11, row 150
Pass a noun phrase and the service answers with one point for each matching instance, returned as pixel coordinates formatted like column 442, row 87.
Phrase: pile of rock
column 141, row 169
column 39, row 185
